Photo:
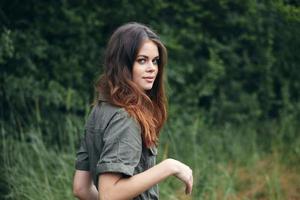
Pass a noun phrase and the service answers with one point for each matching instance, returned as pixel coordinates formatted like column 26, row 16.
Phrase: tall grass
column 34, row 172
column 249, row 161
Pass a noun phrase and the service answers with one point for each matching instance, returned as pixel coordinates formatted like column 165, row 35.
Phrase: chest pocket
column 152, row 152
column 148, row 158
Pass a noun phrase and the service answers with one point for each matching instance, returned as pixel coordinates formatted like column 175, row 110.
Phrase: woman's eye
column 155, row 61
column 141, row 61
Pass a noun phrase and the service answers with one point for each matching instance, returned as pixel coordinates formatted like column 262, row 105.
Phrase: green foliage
column 228, row 64
column 6, row 48
column 230, row 162
column 245, row 161
column 232, row 76
column 230, row 60
column 33, row 172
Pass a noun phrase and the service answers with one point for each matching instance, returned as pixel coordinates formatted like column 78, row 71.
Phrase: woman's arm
column 83, row 188
column 112, row 186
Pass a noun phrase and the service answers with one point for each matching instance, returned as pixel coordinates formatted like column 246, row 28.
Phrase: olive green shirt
column 112, row 142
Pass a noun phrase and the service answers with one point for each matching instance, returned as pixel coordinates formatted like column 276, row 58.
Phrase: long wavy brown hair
column 116, row 85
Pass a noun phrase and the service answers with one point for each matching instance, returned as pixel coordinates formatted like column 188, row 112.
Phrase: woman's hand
column 184, row 173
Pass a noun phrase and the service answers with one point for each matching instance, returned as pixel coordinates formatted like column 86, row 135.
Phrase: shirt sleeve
column 82, row 157
column 122, row 146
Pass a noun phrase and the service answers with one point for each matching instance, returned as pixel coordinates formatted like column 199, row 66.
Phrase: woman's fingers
column 189, row 185
column 185, row 174
column 187, row 178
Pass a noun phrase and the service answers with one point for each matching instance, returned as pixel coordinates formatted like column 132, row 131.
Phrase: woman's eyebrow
column 147, row 56
column 142, row 56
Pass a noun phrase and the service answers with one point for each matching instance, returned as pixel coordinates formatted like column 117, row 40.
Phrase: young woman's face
column 145, row 66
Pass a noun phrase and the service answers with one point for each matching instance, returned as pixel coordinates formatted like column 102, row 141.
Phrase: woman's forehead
column 149, row 49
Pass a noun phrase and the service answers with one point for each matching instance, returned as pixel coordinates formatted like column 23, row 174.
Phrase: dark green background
column 231, row 62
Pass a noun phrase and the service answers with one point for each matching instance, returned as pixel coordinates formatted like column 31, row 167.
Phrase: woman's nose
column 151, row 67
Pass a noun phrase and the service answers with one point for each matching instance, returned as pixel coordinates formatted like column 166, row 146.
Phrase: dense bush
column 233, row 82
column 231, row 60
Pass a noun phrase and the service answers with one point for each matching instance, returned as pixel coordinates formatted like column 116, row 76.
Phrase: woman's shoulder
column 103, row 113
column 106, row 115
column 104, row 107
column 108, row 109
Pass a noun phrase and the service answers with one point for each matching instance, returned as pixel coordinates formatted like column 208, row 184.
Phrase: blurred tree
column 229, row 60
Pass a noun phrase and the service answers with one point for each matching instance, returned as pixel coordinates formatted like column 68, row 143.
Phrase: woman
column 118, row 152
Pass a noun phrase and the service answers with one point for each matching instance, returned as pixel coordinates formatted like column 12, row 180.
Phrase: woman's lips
column 149, row 79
